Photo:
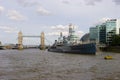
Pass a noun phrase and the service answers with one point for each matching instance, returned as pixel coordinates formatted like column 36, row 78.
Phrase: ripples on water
column 33, row 64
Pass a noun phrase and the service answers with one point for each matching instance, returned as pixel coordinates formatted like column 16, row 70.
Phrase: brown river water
column 33, row 64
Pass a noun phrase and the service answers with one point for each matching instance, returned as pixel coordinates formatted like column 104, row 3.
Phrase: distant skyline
column 52, row 16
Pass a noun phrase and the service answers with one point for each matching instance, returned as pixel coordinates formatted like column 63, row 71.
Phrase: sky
column 52, row 17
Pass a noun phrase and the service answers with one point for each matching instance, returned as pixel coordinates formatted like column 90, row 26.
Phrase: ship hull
column 2, row 48
column 80, row 48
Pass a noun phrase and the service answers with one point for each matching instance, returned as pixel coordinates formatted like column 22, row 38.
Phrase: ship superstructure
column 71, row 44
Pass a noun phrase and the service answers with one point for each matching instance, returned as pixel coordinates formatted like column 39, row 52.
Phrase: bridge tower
column 42, row 41
column 20, row 40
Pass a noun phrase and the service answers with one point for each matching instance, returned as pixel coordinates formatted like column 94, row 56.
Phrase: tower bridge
column 21, row 36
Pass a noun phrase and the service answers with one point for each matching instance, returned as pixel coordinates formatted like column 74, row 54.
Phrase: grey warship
column 72, row 44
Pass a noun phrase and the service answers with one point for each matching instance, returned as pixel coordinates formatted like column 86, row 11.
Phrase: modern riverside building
column 102, row 33
column 111, row 29
column 0, row 43
column 94, row 34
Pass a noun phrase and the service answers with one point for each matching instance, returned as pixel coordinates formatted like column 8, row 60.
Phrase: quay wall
column 111, row 49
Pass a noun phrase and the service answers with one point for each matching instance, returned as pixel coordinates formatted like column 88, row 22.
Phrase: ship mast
column 71, row 30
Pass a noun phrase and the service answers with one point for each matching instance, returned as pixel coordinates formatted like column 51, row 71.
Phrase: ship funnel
column 61, row 34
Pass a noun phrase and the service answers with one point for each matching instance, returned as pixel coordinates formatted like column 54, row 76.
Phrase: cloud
column 28, row 3
column 79, row 33
column 15, row 15
column 55, row 30
column 66, row 2
column 117, row 2
column 43, row 11
column 59, row 27
column 65, row 33
column 92, row 2
column 62, row 27
column 103, row 20
column 56, row 33
column 8, row 29
column 1, row 9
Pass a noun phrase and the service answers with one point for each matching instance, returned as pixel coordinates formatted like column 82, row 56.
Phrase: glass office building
column 94, row 34
column 110, row 29
column 103, row 32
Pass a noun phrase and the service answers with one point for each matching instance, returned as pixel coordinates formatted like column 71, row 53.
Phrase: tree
column 115, row 40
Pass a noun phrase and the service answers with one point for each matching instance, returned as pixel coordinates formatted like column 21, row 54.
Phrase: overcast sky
column 52, row 16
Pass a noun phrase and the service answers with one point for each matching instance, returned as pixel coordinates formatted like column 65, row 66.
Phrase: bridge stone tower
column 20, row 40
column 42, row 41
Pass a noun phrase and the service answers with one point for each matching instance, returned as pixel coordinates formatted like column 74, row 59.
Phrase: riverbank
column 33, row 64
column 115, row 49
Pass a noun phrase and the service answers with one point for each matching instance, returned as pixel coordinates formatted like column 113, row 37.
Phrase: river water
column 33, row 64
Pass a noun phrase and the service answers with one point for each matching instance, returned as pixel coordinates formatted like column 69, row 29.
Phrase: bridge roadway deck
column 31, row 36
